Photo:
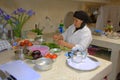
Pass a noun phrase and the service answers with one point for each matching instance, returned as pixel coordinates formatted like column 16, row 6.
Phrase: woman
column 78, row 35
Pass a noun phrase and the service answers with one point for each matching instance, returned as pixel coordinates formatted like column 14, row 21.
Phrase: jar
column 79, row 56
column 19, row 54
column 39, row 38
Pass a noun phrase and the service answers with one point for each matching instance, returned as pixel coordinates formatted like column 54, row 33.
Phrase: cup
column 19, row 54
column 79, row 56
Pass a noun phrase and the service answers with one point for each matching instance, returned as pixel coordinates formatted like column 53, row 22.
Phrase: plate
column 86, row 65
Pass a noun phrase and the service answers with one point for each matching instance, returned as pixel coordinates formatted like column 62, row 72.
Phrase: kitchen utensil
column 89, row 63
column 55, row 51
column 43, row 63
column 41, row 48
column 77, row 56
column 19, row 54
column 5, row 45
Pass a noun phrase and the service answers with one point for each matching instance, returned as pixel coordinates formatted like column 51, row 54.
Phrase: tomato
column 30, row 44
column 48, row 55
column 26, row 42
column 21, row 44
column 54, row 56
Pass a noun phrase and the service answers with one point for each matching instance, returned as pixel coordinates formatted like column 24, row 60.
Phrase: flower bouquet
column 17, row 19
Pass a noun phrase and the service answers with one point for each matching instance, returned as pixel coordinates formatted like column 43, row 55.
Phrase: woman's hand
column 61, row 42
column 65, row 44
column 57, row 37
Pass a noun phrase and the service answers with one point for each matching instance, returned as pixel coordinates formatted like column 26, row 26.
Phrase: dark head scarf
column 82, row 16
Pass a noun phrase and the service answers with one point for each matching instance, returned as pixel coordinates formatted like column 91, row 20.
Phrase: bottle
column 10, row 34
column 61, row 27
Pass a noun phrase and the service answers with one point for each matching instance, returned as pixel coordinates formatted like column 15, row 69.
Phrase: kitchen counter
column 114, row 45
column 60, row 71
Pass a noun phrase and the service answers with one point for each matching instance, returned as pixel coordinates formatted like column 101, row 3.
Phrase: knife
column 2, row 75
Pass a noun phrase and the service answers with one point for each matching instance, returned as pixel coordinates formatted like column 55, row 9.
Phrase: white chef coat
column 81, row 38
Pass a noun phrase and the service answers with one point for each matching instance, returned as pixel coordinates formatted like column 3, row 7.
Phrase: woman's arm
column 65, row 44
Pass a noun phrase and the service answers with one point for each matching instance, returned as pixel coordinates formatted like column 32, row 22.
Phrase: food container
column 55, row 51
column 77, row 59
column 79, row 56
column 43, row 63
column 19, row 54
column 41, row 48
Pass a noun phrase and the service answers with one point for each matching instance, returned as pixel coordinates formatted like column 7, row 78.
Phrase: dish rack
column 4, row 45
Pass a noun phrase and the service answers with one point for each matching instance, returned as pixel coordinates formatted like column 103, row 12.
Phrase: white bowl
column 43, row 63
column 55, row 51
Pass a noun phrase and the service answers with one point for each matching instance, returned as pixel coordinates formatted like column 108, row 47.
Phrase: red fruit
column 30, row 44
column 21, row 44
column 54, row 56
column 26, row 42
column 48, row 55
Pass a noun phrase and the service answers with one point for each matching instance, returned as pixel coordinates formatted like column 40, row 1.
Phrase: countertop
column 114, row 45
column 60, row 71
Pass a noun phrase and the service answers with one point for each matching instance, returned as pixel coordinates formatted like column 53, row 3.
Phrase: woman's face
column 77, row 22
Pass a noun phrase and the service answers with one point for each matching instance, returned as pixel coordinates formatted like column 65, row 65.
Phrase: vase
column 17, row 33
column 39, row 38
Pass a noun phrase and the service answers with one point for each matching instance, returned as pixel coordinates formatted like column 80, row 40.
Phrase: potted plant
column 39, row 32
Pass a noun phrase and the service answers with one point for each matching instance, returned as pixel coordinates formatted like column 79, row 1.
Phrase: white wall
column 54, row 9
column 109, row 12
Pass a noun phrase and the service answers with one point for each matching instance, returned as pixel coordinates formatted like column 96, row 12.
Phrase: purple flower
column 7, row 17
column 15, row 12
column 21, row 10
column 30, row 13
column 18, row 18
